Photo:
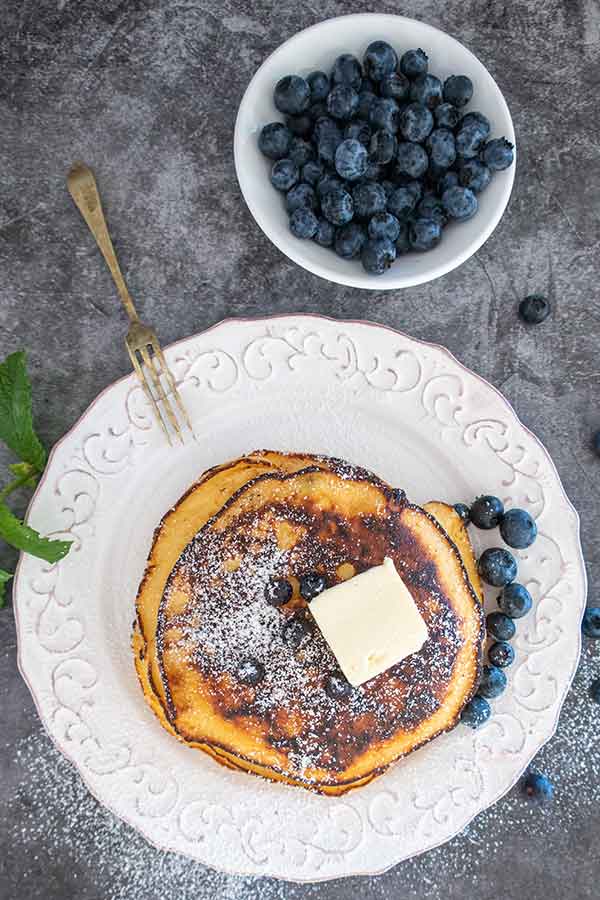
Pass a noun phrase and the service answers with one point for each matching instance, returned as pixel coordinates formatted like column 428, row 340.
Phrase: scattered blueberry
column 537, row 787
column 383, row 147
column 319, row 85
column 303, row 223
column 337, row 687
column 379, row 60
column 534, row 309
column 347, row 70
column 325, row 233
column 342, row 102
column 301, row 195
column 337, row 206
column 384, row 225
column 441, row 147
column 278, row 592
column 416, row 122
column 595, row 690
column 297, row 629
column 284, row 174
column 446, row 115
column 498, row 154
column 424, row 234
column 350, row 240
column 311, row 585
column 596, row 443
column 351, row 159
column 301, row 126
column 515, row 600
column 460, row 203
column 403, row 201
column 378, row 255
column 500, row 626
column 395, row 86
column 369, row 199
column 501, row 654
column 458, row 90
column 384, row 113
column 591, row 622
column 426, row 89
column 292, row 95
column 413, row 63
column 360, row 131
column 300, row 151
column 312, row 171
column 518, row 528
column 250, row 672
column 448, row 180
column 487, row 511
column 493, row 682
column 411, row 160
column 476, row 712
column 464, row 512
column 474, row 175
column 497, row 566
column 274, row 140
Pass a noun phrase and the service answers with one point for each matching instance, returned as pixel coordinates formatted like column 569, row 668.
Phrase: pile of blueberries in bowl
column 377, row 158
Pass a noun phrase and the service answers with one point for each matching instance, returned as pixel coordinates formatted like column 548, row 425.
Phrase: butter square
column 370, row 622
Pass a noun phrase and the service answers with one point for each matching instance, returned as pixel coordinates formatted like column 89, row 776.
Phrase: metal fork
column 143, row 346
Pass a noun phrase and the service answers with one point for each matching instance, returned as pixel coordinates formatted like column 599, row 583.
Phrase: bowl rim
column 365, row 281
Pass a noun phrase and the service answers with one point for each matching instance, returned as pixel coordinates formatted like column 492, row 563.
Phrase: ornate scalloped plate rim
column 224, row 323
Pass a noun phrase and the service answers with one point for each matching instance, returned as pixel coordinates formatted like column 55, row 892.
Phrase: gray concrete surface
column 147, row 92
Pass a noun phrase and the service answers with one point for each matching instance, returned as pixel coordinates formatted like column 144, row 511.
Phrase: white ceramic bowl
column 316, row 48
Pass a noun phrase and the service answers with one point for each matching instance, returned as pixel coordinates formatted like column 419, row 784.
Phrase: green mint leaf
column 4, row 577
column 21, row 536
column 16, row 423
column 24, row 473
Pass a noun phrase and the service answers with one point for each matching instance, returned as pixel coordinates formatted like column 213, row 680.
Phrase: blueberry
column 300, row 151
column 326, row 183
column 301, row 195
column 426, row 89
column 474, row 175
column 416, row 122
column 500, row 626
column 424, row 234
column 373, row 172
column 284, row 174
column 303, row 223
column 493, row 682
column 384, row 225
column 342, row 102
column 498, row 154
column 311, row 172
column 297, row 630
column 403, row 239
column 442, row 150
column 596, row 443
column 317, row 110
column 537, row 787
column 274, row 140
column 477, row 118
column 487, row 512
column 402, row 202
column 518, row 528
column 347, row 70
column 460, row 203
column 350, row 240
column 278, row 592
column 389, row 187
column 411, row 160
column 595, row 690
column 383, row 147
column 469, row 140
column 448, row 180
column 337, row 687
column 366, row 98
column 515, row 600
column 463, row 511
column 292, row 95
column 395, row 86
column 458, row 90
column 591, row 622
column 250, row 672
column 446, row 115
column 369, row 198
column 325, row 126
column 378, row 255
column 319, row 85
column 534, row 309
column 476, row 712
column 360, row 131
column 325, row 233
column 431, row 207
column 311, row 585
column 501, row 654
column 413, row 63
column 497, row 566
column 351, row 159
column 380, row 60
column 326, row 148
column 301, row 126
column 384, row 113
column 368, row 85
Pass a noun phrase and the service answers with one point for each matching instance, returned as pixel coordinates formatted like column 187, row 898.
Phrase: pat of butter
column 370, row 622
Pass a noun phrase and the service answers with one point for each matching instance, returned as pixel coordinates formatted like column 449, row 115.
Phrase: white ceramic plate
column 317, row 48
column 406, row 409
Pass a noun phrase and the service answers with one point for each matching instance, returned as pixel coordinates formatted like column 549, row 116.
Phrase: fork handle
column 84, row 191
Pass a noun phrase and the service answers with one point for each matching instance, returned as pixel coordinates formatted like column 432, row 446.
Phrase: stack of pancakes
column 249, row 682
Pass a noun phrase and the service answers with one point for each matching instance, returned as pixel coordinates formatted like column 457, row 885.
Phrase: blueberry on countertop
column 487, row 511
column 413, row 63
column 337, row 206
column 384, row 225
column 325, row 233
column 473, row 174
column 498, row 154
column 500, row 626
column 347, row 70
column 424, row 234
column 476, row 712
column 351, row 159
column 534, row 309
column 300, row 195
column 493, row 682
column 595, row 690
column 303, row 223
column 284, row 174
column 379, row 60
column 377, row 255
column 591, row 622
column 250, row 672
column 518, row 528
column 278, row 592
column 319, row 85
column 311, row 585
column 537, row 787
column 464, row 512
column 342, row 102
column 501, row 654
column 350, row 240
column 274, row 140
column 596, row 443
column 458, row 90
column 416, row 122
column 426, row 89
column 515, row 600
column 337, row 687
column 446, row 115
column 292, row 95
column 497, row 566
column 460, row 203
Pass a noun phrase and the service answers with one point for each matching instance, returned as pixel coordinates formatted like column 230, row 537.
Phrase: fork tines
column 151, row 367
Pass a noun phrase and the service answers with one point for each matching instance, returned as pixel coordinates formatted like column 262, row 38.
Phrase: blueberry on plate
column 342, row 102
column 274, row 140
column 388, row 186
column 596, row 443
column 369, row 199
column 377, row 255
column 501, row 654
column 469, row 139
column 292, row 95
column 311, row 585
column 383, row 147
column 325, row 233
column 487, row 511
column 498, row 154
column 497, row 566
column 317, row 110
column 384, row 225
column 326, row 183
column 319, row 85
column 326, row 127
column 301, row 126
column 413, row 63
column 373, row 172
column 379, row 60
column 395, row 86
column 424, row 234
column 347, row 70
column 297, row 630
column 303, row 223
column 591, row 622
column 441, row 147
column 337, row 206
column 384, row 113
column 337, row 687
column 464, row 512
column 446, row 115
column 403, row 239
column 366, row 98
column 300, row 151
column 431, row 207
column 284, row 174
column 476, row 712
column 493, row 682
column 537, row 787
column 474, row 175
column 402, row 202
column 278, row 592
column 458, row 90
column 300, row 195
column 411, row 160
column 359, row 130
column 351, row 159
column 426, row 89
column 416, row 122
column 518, row 528
column 515, row 600
column 595, row 690
column 460, row 203
column 500, row 626
column 250, row 672
column 476, row 118
column 350, row 240
column 534, row 309
column 447, row 181
column 312, row 171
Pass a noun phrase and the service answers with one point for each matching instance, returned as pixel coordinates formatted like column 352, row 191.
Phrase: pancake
column 278, row 523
